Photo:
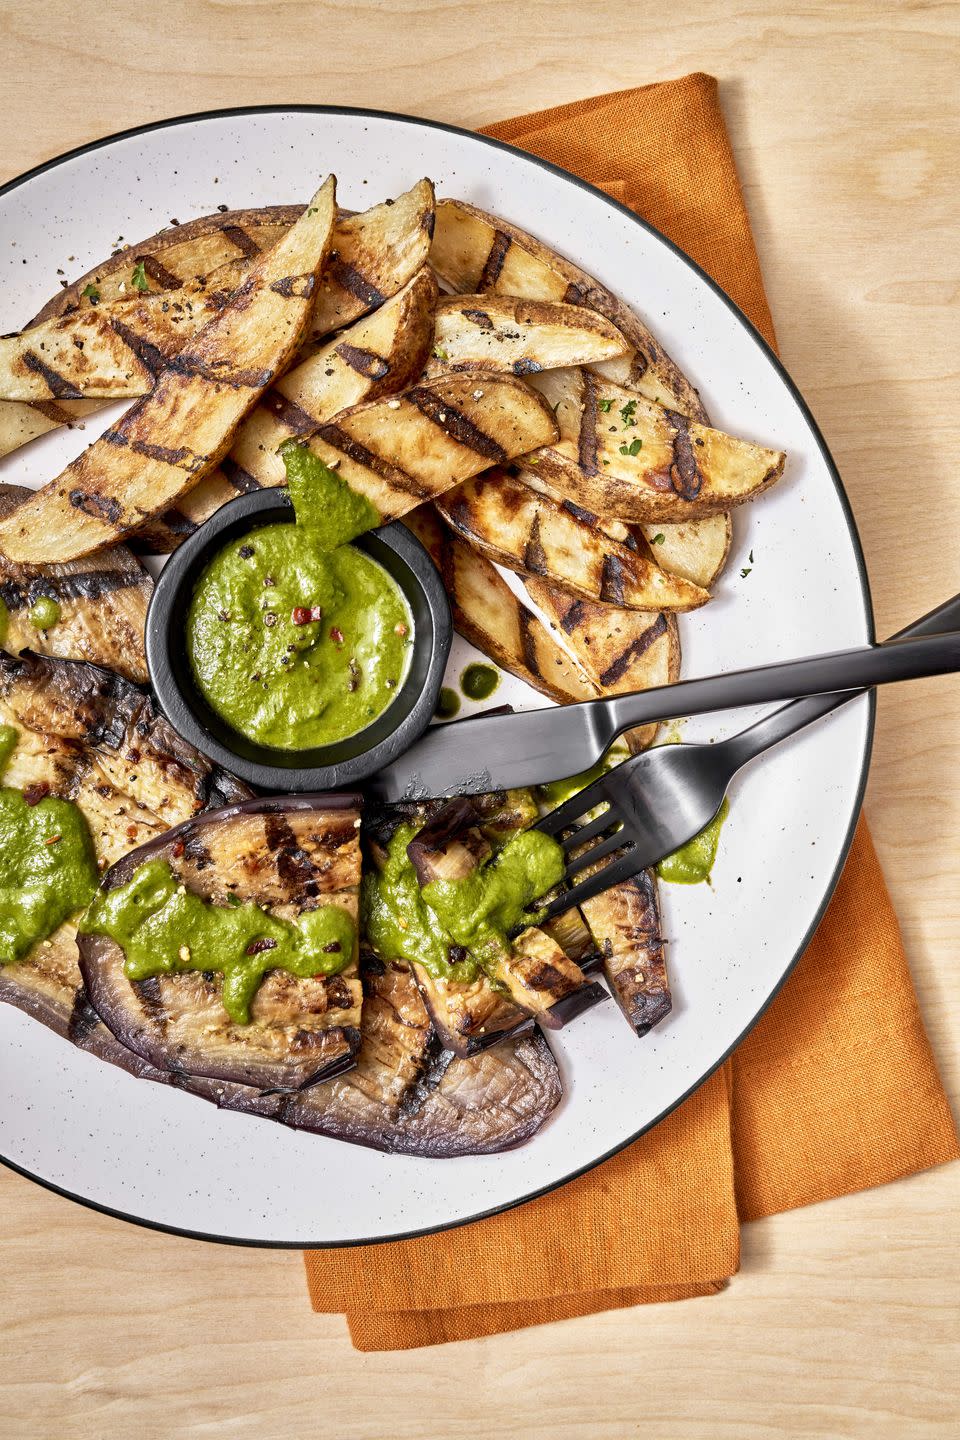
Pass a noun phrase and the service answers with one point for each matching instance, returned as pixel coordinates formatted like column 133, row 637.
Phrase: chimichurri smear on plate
column 479, row 681
column 296, row 638
column 456, row 928
column 693, row 862
column 165, row 929
column 48, row 870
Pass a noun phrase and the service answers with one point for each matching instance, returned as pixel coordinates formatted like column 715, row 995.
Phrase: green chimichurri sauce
column 295, row 637
column 48, row 870
column 165, row 929
column 694, row 861
column 44, row 613
column 478, row 682
column 448, row 704
column 456, row 928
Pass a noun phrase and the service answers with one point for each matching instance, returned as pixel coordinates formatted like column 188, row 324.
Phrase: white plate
column 163, row 1158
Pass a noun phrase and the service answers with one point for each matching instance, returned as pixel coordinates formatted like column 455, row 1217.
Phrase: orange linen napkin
column 834, row 1090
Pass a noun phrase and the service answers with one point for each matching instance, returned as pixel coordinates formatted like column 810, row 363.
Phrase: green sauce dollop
column 48, row 870
column 478, row 682
column 44, row 612
column 165, row 929
column 295, row 637
column 448, row 704
column 456, row 928
column 693, row 862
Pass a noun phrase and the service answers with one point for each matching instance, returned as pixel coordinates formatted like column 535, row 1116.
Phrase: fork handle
column 786, row 721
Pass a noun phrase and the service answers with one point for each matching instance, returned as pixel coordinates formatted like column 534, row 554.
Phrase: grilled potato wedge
column 88, row 735
column 536, row 535
column 474, row 252
column 379, row 354
column 168, row 440
column 623, row 456
column 112, row 350
column 625, row 922
column 695, row 549
column 488, row 614
column 501, row 332
column 103, row 604
column 415, row 446
column 292, row 855
column 619, row 650
column 21, row 422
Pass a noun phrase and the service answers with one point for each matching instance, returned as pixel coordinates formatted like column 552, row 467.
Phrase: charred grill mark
column 83, row 1019
column 579, row 513
column 239, row 237
column 428, row 221
column 526, row 367
column 528, row 645
column 196, row 852
column 534, row 555
column 637, row 647
column 479, row 317
column 178, row 523
column 182, row 459
column 50, row 410
column 291, row 416
column 360, row 455
column 349, row 278
column 572, row 617
column 159, row 274
column 544, row 976
column 294, row 865
column 59, row 387
column 456, row 424
column 587, row 439
column 151, row 358
column 98, row 507
column 339, row 994
column 493, row 264
column 611, row 581
column 241, row 480
column 89, row 585
column 366, row 362
column 221, row 373
column 295, row 287
column 150, row 994
column 685, row 473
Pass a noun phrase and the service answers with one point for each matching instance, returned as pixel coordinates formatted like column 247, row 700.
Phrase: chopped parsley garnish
column 605, row 405
column 633, row 448
column 91, row 293
column 139, row 279
column 627, row 412
column 750, row 557
column 658, row 539
column 745, row 571
column 440, row 354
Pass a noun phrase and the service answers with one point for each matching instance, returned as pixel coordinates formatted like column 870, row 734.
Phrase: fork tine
column 571, row 810
column 591, row 830
column 612, row 874
column 617, row 841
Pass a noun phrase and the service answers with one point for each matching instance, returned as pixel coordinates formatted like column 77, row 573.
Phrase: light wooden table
column 844, row 1320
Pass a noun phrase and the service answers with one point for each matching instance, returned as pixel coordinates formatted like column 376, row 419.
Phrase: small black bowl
column 324, row 767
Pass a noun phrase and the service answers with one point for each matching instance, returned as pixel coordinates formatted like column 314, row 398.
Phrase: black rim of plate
column 776, row 364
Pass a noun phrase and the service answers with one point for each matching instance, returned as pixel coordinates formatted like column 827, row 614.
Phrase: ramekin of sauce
column 294, row 644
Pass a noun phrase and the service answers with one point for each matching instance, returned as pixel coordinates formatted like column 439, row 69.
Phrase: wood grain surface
column 844, row 1319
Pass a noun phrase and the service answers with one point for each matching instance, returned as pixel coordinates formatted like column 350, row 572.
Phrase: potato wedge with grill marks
column 536, row 535
column 87, row 735
column 102, row 602
column 695, row 549
column 292, row 855
column 488, row 614
column 380, row 354
column 415, row 446
column 502, row 332
column 474, row 252
column 625, row 922
column 623, row 456
column 168, row 440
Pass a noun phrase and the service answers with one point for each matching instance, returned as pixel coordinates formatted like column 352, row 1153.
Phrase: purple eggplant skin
column 257, row 844
column 625, row 922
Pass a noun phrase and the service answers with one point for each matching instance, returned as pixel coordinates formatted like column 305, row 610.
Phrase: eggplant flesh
column 88, row 735
column 289, row 855
column 625, row 922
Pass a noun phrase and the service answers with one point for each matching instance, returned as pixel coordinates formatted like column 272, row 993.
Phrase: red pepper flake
column 131, row 832
column 52, row 839
column 178, row 849
column 303, row 614
column 400, row 629
column 33, row 794
column 336, row 635
column 256, row 947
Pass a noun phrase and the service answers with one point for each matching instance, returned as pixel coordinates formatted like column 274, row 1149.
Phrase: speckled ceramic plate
column 160, row 1157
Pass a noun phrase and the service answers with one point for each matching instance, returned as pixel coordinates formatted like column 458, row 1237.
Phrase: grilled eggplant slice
column 534, row 534
column 625, row 456
column 625, row 922
column 474, row 252
column 103, row 604
column 293, row 854
column 620, row 650
column 502, row 332
column 380, row 354
column 168, row 440
column 88, row 735
column 408, row 449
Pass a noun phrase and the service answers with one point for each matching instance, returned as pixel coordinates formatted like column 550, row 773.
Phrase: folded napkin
column 834, row 1090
